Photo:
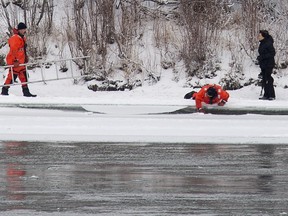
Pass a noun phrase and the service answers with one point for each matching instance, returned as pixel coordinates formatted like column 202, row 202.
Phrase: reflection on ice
column 150, row 179
column 14, row 170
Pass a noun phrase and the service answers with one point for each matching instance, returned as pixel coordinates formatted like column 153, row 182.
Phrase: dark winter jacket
column 266, row 53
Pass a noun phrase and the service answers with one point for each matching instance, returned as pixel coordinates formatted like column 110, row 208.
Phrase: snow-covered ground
column 20, row 124
column 59, row 125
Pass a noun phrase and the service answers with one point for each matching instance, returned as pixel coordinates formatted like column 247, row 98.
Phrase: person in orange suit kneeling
column 208, row 94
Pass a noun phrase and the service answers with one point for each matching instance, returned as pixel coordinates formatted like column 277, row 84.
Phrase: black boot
column 189, row 95
column 27, row 93
column 4, row 91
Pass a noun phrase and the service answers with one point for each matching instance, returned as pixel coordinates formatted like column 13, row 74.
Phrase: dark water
column 234, row 111
column 143, row 179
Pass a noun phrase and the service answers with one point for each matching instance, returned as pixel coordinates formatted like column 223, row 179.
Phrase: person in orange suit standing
column 17, row 55
column 208, row 94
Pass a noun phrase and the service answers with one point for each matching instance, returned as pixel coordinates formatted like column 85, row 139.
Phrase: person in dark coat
column 266, row 62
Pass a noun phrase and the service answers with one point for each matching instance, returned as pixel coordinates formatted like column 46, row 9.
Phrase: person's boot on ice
column 26, row 92
column 4, row 91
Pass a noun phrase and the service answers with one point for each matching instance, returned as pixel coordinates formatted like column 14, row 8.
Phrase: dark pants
column 267, row 83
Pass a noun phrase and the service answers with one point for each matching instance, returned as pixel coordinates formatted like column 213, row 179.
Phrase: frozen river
column 49, row 125
column 82, row 178
column 75, row 163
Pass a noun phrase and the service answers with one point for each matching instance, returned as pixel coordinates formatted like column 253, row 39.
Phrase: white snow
column 26, row 124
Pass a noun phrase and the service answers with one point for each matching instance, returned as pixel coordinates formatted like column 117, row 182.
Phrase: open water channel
column 143, row 179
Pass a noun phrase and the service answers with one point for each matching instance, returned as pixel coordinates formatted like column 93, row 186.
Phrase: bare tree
column 37, row 14
column 202, row 21
column 39, row 17
column 251, row 19
column 89, row 30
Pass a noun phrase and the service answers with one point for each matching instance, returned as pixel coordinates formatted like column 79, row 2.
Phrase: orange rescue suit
column 17, row 51
column 202, row 96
